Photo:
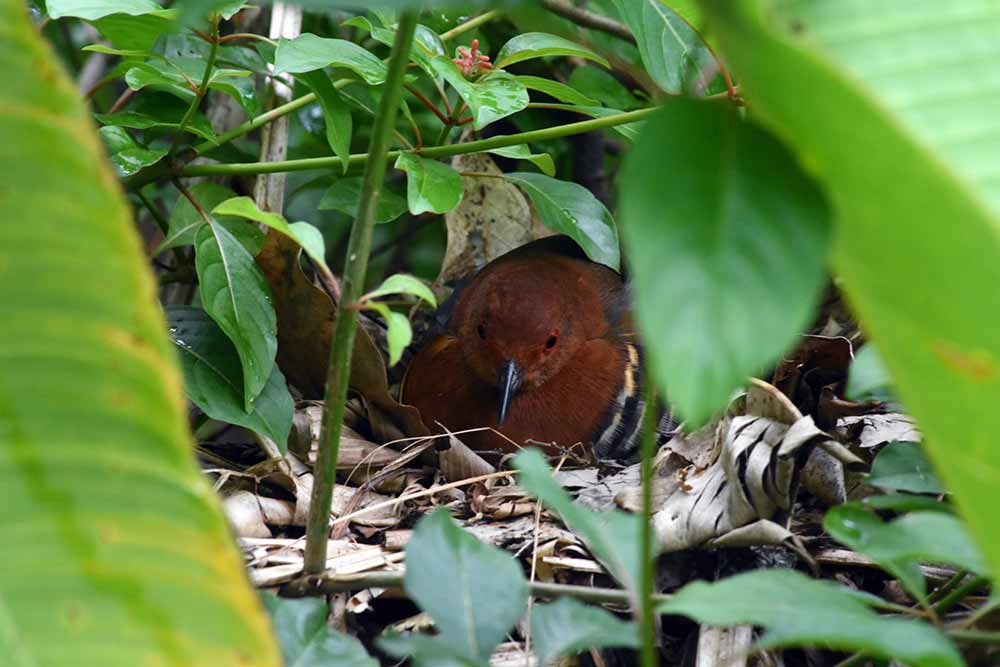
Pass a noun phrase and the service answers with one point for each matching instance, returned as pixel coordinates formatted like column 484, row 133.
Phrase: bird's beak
column 510, row 381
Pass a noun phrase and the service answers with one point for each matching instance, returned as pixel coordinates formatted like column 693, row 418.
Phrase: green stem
column 202, row 90
column 500, row 141
column 647, row 621
column 959, row 594
column 355, row 267
column 976, row 636
column 471, row 24
column 161, row 221
column 254, row 123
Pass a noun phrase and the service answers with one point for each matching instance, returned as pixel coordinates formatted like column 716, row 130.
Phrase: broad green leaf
column 484, row 597
column 159, row 110
column 307, row 236
column 603, row 87
column 556, row 89
column 898, row 546
column 337, row 115
column 902, row 466
column 431, row 186
column 567, row 626
column 907, row 502
column 401, row 283
column 398, row 332
column 717, row 219
column 236, row 295
column 868, row 378
column 115, row 552
column 95, row 9
column 185, row 220
column 530, row 45
column 139, row 32
column 674, row 54
column 909, row 79
column 571, row 209
column 306, row 639
column 491, row 98
column 522, row 152
column 127, row 156
column 797, row 611
column 345, row 194
column 613, row 537
column 213, row 379
column 307, row 52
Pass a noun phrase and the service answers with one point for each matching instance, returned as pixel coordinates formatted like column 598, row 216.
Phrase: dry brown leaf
column 355, row 450
column 493, row 218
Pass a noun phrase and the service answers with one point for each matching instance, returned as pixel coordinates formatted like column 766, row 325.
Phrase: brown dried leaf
column 493, row 218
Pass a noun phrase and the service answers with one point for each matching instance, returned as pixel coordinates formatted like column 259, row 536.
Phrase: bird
column 540, row 346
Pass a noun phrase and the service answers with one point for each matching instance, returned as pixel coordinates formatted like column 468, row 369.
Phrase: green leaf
column 159, row 111
column 307, row 236
column 522, row 152
column 798, row 611
column 604, row 87
column 426, row 43
column 431, row 186
column 307, row 52
column 898, row 546
column 345, row 194
column 95, row 9
column 902, row 466
column 530, row 45
column 556, row 89
column 127, row 156
column 485, row 595
column 337, row 115
column 493, row 97
column 401, row 283
column 185, row 220
column 868, row 378
column 213, row 379
column 715, row 245
column 236, row 295
column 907, row 502
column 613, row 537
column 398, row 332
column 115, row 551
column 124, row 53
column 306, row 640
column 673, row 53
column 569, row 208
column 921, row 107
column 138, row 32
column 566, row 627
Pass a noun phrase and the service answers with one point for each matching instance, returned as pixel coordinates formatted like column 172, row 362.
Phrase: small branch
column 161, row 220
column 202, row 90
column 449, row 150
column 427, row 103
column 122, row 99
column 355, row 267
column 315, row 585
column 471, row 24
column 254, row 123
column 589, row 19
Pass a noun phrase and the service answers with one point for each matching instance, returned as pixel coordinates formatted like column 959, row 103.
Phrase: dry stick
column 589, row 19
column 355, row 267
column 647, row 620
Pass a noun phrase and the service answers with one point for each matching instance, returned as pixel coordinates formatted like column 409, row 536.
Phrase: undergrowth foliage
column 748, row 151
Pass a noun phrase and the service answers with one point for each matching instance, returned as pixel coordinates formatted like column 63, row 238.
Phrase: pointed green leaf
column 398, row 332
column 127, row 156
column 185, row 220
column 345, row 194
column 604, row 87
column 431, row 186
column 95, row 9
column 307, row 236
column 159, row 110
column 493, row 97
column 337, row 115
column 522, row 152
column 401, row 283
column 571, row 209
column 717, row 217
column 306, row 639
column 556, row 89
column 567, row 626
column 307, row 52
column 530, row 45
column 236, row 295
column 902, row 466
column 797, row 611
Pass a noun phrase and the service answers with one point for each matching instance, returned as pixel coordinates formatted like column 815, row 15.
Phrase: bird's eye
column 481, row 330
column 551, row 342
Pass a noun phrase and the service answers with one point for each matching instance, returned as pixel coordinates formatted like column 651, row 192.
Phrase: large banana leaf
column 112, row 549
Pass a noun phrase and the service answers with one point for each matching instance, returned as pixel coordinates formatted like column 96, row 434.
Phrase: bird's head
column 520, row 321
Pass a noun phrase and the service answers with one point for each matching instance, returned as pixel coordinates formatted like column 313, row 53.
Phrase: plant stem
column 647, row 620
column 158, row 216
column 202, row 90
column 977, row 636
column 500, row 141
column 471, row 24
column 254, row 123
column 959, row 594
column 355, row 267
